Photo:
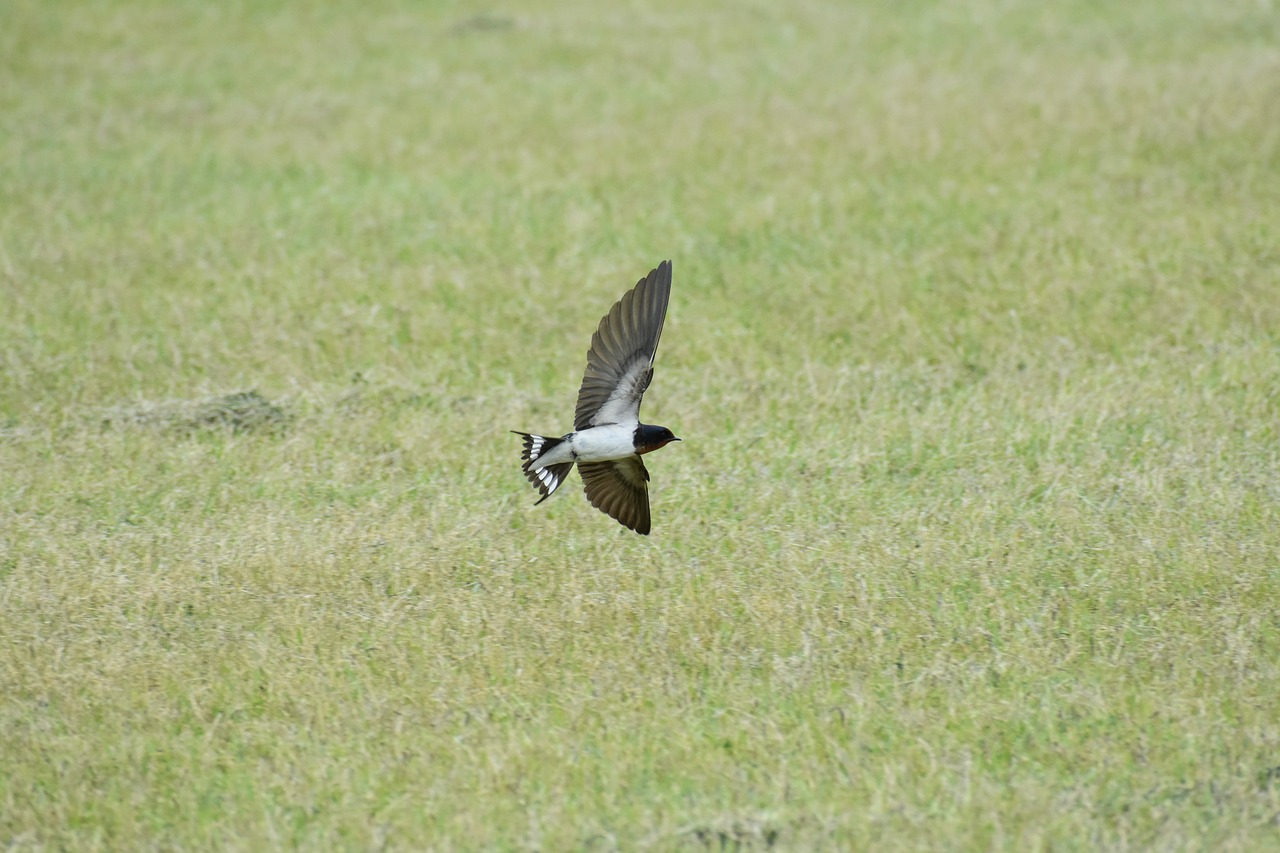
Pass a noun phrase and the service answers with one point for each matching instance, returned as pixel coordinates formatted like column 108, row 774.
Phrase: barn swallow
column 608, row 438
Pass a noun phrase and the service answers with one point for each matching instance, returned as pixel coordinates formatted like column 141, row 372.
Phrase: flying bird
column 608, row 439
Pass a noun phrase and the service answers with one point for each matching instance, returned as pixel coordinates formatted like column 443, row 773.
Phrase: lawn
column 973, row 540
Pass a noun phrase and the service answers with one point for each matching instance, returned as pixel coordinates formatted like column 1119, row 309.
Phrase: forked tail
column 546, row 479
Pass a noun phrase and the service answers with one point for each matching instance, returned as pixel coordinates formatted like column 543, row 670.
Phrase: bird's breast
column 601, row 443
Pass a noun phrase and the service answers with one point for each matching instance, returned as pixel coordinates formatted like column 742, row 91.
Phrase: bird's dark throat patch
column 649, row 448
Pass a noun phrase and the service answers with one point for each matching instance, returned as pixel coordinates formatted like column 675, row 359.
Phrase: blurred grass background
column 972, row 540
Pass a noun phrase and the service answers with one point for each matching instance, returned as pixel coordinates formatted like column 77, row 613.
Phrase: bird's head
column 649, row 438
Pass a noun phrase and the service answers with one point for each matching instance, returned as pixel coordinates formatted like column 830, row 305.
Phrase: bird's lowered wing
column 620, row 489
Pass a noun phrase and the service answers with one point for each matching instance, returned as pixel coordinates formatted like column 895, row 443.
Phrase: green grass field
column 973, row 541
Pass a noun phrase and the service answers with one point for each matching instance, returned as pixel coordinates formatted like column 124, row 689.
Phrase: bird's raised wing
column 620, row 361
column 620, row 489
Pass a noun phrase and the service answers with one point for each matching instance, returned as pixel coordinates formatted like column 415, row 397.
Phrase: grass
column 974, row 538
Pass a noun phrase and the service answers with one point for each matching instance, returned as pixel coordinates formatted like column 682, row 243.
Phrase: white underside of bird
column 597, row 444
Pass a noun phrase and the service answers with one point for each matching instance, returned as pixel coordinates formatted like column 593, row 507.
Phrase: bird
column 608, row 439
